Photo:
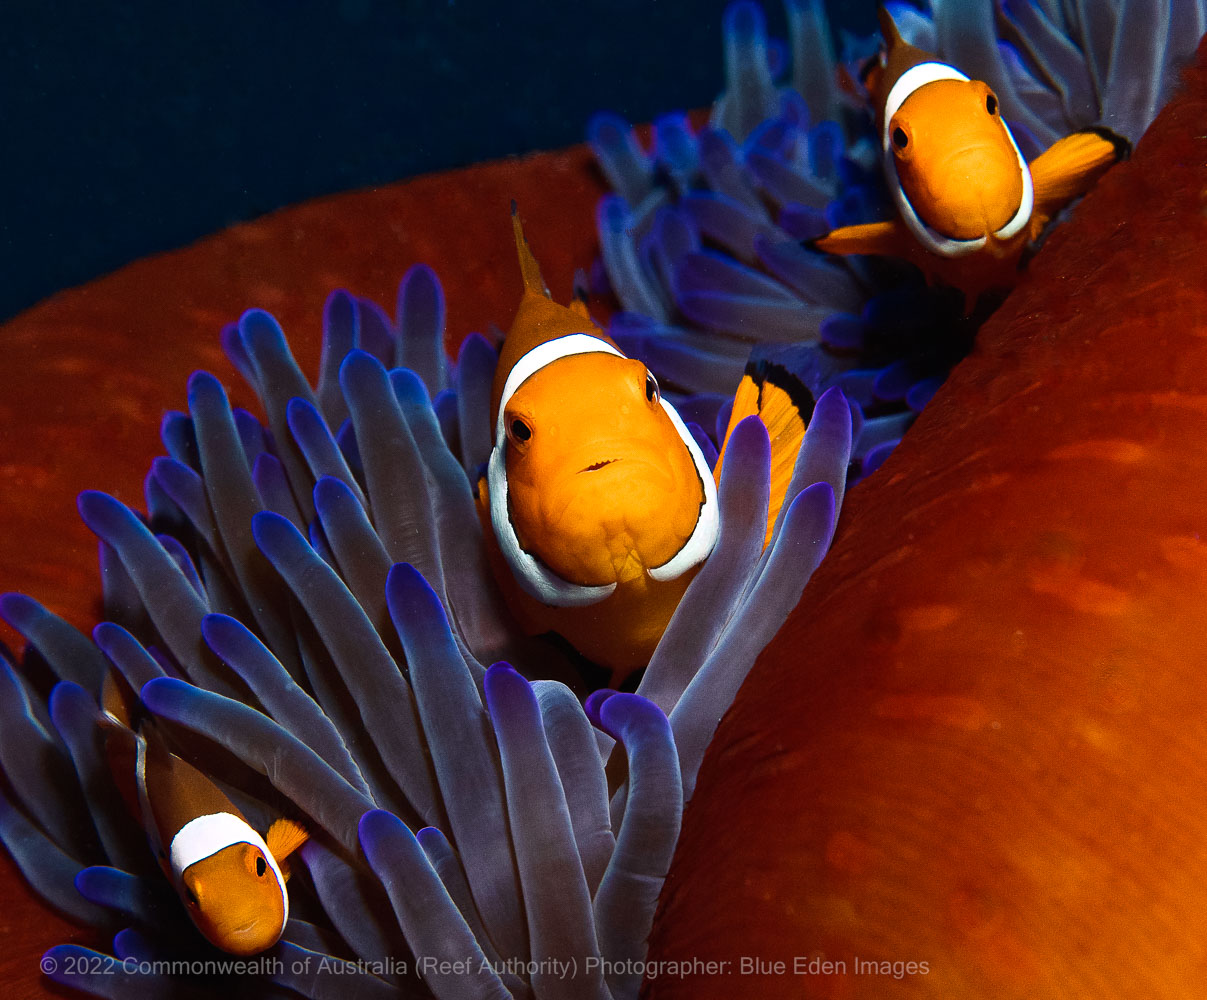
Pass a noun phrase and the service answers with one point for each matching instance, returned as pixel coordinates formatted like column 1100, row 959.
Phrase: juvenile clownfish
column 968, row 203
column 597, row 503
column 230, row 879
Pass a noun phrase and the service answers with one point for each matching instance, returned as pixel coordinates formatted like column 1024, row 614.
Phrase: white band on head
column 537, row 579
column 205, row 836
column 907, row 83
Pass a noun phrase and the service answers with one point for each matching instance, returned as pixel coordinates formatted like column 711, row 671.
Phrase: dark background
column 129, row 128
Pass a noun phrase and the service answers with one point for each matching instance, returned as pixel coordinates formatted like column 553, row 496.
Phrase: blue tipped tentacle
column 475, row 605
column 317, row 444
column 78, row 722
column 373, row 678
column 356, row 904
column 272, row 485
column 447, row 865
column 628, row 893
column 177, row 434
column 556, row 900
column 39, row 769
column 127, row 654
column 620, row 156
column 793, row 556
column 187, row 490
column 67, row 651
column 750, row 94
column 426, row 913
column 580, row 768
column 467, row 765
column 744, row 494
column 341, row 330
column 320, row 976
column 135, row 898
column 362, row 559
column 280, row 695
column 234, row 500
column 278, row 380
column 628, row 276
column 266, row 747
column 47, row 868
column 174, row 606
column 393, row 469
column 476, row 363
column 420, row 323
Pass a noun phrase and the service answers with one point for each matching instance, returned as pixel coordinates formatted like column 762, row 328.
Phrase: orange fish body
column 231, row 880
column 967, row 201
column 598, row 505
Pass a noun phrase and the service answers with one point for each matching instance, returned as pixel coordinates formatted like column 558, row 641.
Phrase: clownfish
column 597, row 504
column 967, row 201
column 230, row 879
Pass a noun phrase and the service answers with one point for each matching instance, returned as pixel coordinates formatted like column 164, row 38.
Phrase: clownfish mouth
column 596, row 466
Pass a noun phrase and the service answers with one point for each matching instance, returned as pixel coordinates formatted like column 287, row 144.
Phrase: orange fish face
column 955, row 159
column 235, row 900
column 601, row 486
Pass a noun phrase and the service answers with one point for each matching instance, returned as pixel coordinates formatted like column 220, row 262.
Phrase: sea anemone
column 304, row 606
column 312, row 607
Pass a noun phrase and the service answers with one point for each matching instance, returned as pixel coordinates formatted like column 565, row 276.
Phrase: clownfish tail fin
column 119, row 702
column 530, row 270
column 121, row 754
column 782, row 394
column 1070, row 167
column 283, row 838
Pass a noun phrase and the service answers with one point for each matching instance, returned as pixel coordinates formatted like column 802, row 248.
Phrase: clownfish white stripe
column 205, row 836
column 698, row 547
column 537, row 579
column 907, row 84
column 911, row 80
column 538, row 358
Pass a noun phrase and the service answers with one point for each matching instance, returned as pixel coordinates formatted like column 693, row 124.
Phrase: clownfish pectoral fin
column 1069, row 168
column 530, row 270
column 784, row 403
column 884, row 239
column 283, row 838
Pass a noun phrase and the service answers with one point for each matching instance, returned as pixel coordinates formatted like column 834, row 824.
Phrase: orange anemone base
column 87, row 375
column 979, row 745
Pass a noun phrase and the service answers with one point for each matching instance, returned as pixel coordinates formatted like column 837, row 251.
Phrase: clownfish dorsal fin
column 283, row 838
column 530, row 270
column 888, row 28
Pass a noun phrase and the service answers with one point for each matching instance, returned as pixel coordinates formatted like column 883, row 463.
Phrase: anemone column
column 980, row 741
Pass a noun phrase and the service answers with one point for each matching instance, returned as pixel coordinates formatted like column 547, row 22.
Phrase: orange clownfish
column 597, row 503
column 231, row 880
column 967, row 201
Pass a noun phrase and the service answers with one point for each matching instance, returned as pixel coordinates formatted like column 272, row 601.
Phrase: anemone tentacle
column 307, row 609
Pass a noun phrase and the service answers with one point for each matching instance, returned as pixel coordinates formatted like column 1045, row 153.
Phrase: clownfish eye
column 991, row 104
column 519, row 431
column 651, row 387
column 900, row 139
column 261, row 865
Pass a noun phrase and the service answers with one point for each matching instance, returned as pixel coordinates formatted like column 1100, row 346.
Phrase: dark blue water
column 134, row 127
